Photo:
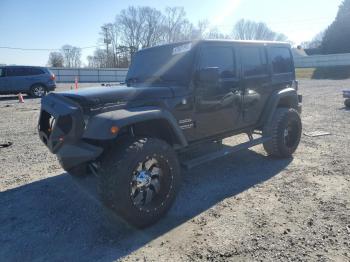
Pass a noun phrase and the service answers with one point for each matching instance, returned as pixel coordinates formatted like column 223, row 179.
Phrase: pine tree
column 337, row 35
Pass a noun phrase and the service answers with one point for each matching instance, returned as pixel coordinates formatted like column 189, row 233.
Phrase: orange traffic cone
column 76, row 82
column 20, row 98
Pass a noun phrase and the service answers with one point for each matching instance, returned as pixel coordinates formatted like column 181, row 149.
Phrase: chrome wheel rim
column 291, row 134
column 39, row 91
column 146, row 182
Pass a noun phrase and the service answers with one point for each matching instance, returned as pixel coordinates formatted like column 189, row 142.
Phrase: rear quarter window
column 254, row 61
column 281, row 60
column 36, row 71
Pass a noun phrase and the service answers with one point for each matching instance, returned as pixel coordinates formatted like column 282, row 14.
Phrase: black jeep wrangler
column 176, row 97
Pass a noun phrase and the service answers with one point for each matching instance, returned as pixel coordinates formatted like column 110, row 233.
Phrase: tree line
column 336, row 38
column 136, row 28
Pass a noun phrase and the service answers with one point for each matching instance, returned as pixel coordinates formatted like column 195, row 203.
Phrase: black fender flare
column 287, row 95
column 99, row 125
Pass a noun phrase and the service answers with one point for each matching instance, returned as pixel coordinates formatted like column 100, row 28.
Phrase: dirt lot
column 242, row 208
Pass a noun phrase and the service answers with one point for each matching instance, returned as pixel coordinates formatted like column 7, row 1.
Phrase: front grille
column 46, row 124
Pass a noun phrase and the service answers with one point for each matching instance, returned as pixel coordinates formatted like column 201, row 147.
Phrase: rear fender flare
column 287, row 97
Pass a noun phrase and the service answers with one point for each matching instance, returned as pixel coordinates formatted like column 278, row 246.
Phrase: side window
column 15, row 71
column 36, row 71
column 254, row 61
column 26, row 71
column 221, row 57
column 11, row 71
column 2, row 72
column 281, row 60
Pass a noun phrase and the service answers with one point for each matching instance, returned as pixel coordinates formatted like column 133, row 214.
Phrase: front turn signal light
column 114, row 130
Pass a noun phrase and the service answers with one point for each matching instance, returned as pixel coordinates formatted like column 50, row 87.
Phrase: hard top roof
column 26, row 66
column 196, row 42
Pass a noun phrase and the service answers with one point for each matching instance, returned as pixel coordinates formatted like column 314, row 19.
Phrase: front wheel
column 139, row 179
column 347, row 102
column 285, row 133
column 38, row 91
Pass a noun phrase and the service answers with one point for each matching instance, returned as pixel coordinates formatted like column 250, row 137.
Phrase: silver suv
column 35, row 81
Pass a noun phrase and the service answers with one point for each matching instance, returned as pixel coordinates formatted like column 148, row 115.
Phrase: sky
column 44, row 24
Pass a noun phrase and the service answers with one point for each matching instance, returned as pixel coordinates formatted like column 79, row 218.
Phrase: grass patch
column 304, row 73
column 334, row 73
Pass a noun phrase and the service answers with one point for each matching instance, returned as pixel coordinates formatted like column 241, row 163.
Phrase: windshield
column 163, row 64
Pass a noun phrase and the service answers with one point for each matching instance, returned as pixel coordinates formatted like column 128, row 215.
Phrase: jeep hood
column 98, row 96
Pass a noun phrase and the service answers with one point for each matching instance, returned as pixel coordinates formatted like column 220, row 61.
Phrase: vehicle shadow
column 344, row 108
column 15, row 97
column 52, row 219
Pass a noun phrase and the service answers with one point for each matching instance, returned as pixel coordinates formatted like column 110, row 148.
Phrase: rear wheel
column 347, row 102
column 38, row 91
column 139, row 180
column 285, row 132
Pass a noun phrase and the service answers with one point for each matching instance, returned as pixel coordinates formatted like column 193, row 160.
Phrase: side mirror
column 209, row 75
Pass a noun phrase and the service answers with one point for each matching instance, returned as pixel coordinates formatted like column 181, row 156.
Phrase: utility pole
column 107, row 41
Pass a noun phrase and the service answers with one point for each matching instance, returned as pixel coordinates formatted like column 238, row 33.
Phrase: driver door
column 217, row 105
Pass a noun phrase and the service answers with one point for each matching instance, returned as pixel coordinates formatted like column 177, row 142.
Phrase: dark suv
column 178, row 98
column 35, row 81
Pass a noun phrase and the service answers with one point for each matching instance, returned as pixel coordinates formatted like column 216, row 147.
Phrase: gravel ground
column 245, row 207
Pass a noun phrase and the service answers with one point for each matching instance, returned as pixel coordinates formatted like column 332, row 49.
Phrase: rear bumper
column 51, row 86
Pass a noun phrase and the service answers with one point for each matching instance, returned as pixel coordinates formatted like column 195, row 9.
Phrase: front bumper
column 51, row 86
column 61, row 126
column 72, row 155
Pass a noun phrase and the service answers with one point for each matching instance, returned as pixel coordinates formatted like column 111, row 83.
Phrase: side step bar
column 224, row 152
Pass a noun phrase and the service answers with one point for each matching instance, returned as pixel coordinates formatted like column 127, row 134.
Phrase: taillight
column 53, row 77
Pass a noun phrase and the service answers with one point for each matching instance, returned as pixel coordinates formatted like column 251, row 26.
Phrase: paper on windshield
column 182, row 49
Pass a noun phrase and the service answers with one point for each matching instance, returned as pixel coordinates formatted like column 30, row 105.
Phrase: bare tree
column 98, row 60
column 91, row 61
column 131, row 23
column 55, row 59
column 152, row 27
column 215, row 33
column 175, row 24
column 110, row 34
column 316, row 42
column 200, row 31
column 71, row 56
column 141, row 27
column 250, row 30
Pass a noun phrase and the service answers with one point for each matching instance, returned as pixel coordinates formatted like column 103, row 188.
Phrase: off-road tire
column 347, row 103
column 33, row 91
column 116, row 173
column 279, row 146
